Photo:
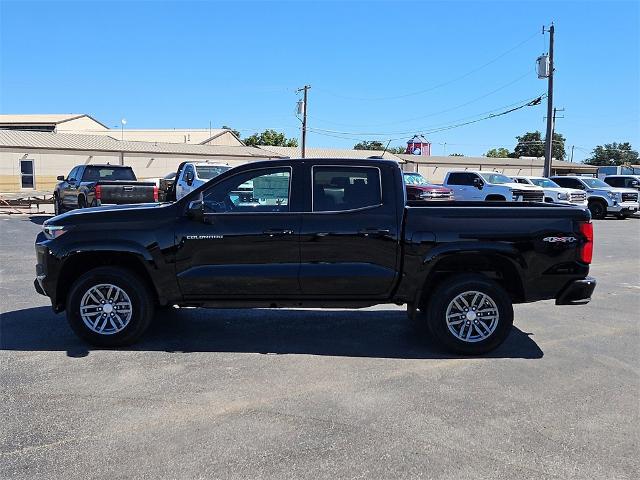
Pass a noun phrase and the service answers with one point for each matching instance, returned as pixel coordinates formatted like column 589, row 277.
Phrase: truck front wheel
column 109, row 307
column 470, row 314
column 598, row 209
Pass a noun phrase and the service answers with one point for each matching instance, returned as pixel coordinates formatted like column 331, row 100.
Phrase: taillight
column 155, row 193
column 585, row 252
column 98, row 192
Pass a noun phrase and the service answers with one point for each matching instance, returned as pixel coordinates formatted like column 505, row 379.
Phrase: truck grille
column 436, row 196
column 577, row 197
column 629, row 197
column 528, row 196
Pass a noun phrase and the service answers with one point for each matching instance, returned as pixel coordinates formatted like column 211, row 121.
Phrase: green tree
column 613, row 154
column 233, row 130
column 531, row 144
column 397, row 150
column 498, row 153
column 369, row 145
column 270, row 138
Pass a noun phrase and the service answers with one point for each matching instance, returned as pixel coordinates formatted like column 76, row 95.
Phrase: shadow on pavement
column 372, row 333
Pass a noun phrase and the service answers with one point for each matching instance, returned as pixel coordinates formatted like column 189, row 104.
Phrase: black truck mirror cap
column 60, row 178
column 195, row 210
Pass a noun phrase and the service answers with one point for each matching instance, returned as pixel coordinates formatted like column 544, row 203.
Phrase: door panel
column 350, row 252
column 247, row 243
column 236, row 255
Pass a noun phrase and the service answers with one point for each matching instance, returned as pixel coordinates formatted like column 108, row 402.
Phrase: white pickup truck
column 490, row 186
column 554, row 193
column 193, row 174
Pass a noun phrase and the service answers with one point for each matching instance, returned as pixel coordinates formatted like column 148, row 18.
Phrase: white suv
column 490, row 186
column 554, row 193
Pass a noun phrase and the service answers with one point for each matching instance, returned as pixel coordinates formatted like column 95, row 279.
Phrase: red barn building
column 419, row 145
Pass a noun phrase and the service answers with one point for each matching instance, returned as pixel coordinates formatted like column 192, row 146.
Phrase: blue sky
column 378, row 70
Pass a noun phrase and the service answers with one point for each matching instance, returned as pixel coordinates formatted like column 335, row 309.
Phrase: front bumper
column 577, row 292
column 623, row 207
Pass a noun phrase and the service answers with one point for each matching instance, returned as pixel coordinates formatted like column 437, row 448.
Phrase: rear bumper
column 577, row 292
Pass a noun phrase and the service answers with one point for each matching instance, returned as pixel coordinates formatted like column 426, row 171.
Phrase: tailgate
column 126, row 192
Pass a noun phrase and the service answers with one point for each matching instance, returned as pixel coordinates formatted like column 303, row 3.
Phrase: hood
column 563, row 190
column 519, row 186
column 98, row 213
column 623, row 190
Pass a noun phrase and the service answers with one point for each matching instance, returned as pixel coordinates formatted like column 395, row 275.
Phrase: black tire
column 598, row 209
column 622, row 216
column 139, row 296
column 498, row 299
column 82, row 202
column 57, row 206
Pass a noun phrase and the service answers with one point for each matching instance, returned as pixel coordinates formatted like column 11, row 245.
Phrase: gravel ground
column 323, row 394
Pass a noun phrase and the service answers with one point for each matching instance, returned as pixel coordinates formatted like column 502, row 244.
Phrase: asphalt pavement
column 323, row 394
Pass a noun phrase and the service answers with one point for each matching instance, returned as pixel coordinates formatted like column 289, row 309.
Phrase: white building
column 31, row 160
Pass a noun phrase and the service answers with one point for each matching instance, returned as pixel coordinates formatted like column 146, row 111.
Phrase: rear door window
column 345, row 188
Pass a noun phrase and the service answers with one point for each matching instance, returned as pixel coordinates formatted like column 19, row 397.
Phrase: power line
column 434, row 87
column 433, row 128
column 506, row 85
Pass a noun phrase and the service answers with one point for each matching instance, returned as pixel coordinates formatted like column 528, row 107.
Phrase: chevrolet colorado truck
column 314, row 233
column 95, row 185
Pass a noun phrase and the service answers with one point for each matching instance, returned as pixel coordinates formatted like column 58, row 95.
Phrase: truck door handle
column 374, row 231
column 277, row 232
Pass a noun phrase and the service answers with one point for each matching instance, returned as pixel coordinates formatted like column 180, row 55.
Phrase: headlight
column 563, row 196
column 611, row 194
column 53, row 231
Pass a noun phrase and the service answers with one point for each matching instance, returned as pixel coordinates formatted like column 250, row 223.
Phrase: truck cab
column 490, row 186
column 191, row 175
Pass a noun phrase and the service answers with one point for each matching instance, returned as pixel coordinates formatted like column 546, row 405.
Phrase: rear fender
column 467, row 257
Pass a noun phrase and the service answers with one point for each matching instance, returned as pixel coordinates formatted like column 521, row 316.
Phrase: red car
column 418, row 188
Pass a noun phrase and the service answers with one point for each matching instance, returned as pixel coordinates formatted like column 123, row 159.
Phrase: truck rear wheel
column 109, row 307
column 470, row 314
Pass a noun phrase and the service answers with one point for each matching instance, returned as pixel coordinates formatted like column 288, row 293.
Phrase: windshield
column 415, row 179
column 207, row 172
column 95, row 174
column 544, row 182
column 496, row 178
column 595, row 182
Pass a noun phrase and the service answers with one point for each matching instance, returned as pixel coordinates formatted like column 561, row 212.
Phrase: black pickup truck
column 314, row 233
column 95, row 185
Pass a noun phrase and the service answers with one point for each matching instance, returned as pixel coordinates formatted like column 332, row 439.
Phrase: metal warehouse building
column 31, row 160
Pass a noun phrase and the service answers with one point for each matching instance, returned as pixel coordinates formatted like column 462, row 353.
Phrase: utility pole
column 304, row 119
column 572, row 146
column 548, row 147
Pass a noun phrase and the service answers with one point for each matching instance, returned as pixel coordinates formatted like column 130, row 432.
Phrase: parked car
column 554, row 193
column 490, row 186
column 623, row 181
column 418, row 188
column 603, row 199
column 191, row 175
column 315, row 234
column 164, row 184
column 96, row 185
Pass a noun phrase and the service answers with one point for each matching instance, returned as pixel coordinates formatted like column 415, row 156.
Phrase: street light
column 123, row 122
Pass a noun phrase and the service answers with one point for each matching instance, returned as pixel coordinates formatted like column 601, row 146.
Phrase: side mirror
column 60, row 178
column 195, row 210
column 634, row 184
column 478, row 183
column 189, row 178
